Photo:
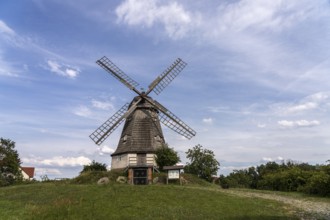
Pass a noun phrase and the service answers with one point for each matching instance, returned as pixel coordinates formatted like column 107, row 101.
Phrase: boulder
column 183, row 180
column 103, row 181
column 122, row 179
column 155, row 180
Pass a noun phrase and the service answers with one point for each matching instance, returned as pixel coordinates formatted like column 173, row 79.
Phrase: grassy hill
column 68, row 200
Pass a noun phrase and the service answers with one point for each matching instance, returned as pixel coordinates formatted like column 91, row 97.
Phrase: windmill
column 142, row 133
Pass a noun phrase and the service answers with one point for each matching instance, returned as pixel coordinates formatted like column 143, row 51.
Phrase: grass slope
column 114, row 201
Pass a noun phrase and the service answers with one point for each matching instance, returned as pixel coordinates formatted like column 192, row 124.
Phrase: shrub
column 94, row 166
column 202, row 163
column 166, row 156
column 93, row 176
column 318, row 183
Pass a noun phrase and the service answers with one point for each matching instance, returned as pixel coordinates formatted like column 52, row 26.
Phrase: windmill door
column 140, row 176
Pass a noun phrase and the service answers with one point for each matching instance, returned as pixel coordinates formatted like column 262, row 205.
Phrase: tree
column 166, row 156
column 202, row 163
column 94, row 166
column 9, row 163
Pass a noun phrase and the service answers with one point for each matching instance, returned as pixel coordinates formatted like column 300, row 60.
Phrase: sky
column 256, row 87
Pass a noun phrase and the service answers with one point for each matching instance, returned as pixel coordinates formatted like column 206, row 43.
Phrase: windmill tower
column 142, row 133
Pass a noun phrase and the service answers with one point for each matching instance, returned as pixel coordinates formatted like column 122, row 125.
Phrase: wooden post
column 130, row 176
column 167, row 178
column 149, row 175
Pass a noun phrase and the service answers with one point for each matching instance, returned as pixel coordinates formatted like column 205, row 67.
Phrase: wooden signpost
column 173, row 172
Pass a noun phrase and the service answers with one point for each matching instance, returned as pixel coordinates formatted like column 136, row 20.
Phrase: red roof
column 29, row 171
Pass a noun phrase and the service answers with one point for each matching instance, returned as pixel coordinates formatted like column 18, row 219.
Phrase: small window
column 124, row 139
column 157, row 138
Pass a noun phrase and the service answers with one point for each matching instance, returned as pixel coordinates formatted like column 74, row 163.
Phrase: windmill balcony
column 139, row 161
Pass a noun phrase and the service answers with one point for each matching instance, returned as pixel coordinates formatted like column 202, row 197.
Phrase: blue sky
column 256, row 88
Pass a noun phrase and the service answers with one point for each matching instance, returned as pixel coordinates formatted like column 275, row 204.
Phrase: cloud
column 47, row 171
column 58, row 161
column 208, row 121
column 102, row 105
column 308, row 103
column 82, row 111
column 105, row 150
column 269, row 159
column 175, row 19
column 319, row 97
column 225, row 17
column 7, row 69
column 299, row 123
column 62, row 69
column 260, row 14
column 259, row 125
column 4, row 28
column 302, row 107
column 237, row 26
column 217, row 109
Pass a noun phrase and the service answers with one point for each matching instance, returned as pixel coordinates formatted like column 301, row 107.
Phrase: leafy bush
column 166, row 156
column 94, row 166
column 202, row 163
column 288, row 176
column 318, row 183
column 9, row 163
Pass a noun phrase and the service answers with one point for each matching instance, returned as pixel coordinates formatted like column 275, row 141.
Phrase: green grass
column 120, row 201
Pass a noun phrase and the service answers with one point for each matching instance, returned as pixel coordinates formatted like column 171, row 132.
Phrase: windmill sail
column 159, row 84
column 172, row 121
column 101, row 133
column 111, row 68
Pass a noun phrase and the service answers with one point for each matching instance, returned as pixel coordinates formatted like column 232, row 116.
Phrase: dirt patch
column 303, row 207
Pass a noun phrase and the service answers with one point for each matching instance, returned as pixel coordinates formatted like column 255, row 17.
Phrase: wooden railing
column 141, row 161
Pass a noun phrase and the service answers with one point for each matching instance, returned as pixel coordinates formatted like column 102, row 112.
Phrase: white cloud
column 228, row 169
column 175, row 19
column 274, row 15
column 47, row 171
column 227, row 16
column 105, row 150
column 62, row 69
column 7, row 69
column 302, row 107
column 217, row 109
column 58, row 161
column 269, row 159
column 238, row 26
column 234, row 16
column 82, row 111
column 298, row 123
column 261, row 125
column 4, row 28
column 308, row 103
column 208, row 121
column 102, row 105
column 318, row 97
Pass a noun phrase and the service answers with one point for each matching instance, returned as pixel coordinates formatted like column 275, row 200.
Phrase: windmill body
column 141, row 136
column 142, row 133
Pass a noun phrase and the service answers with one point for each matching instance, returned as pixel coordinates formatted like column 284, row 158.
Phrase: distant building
column 27, row 173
